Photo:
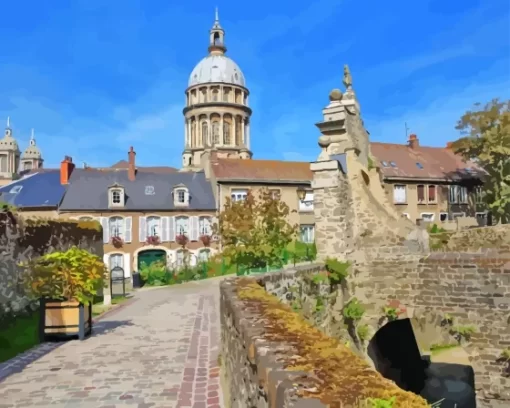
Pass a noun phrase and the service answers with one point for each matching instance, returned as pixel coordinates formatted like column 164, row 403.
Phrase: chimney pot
column 413, row 141
column 66, row 168
column 131, row 164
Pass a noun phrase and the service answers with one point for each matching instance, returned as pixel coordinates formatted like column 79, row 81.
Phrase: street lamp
column 301, row 193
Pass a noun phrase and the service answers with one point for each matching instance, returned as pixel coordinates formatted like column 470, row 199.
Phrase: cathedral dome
column 217, row 68
column 8, row 143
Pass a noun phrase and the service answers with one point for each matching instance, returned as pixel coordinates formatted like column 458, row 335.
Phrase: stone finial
column 335, row 95
column 347, row 77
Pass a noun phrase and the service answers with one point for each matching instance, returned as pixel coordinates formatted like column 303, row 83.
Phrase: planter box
column 64, row 319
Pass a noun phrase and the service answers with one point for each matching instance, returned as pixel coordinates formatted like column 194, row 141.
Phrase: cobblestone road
column 161, row 350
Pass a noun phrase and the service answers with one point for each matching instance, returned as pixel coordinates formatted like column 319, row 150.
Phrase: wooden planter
column 64, row 319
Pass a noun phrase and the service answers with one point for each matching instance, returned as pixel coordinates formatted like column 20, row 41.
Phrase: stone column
column 188, row 130
column 233, row 131
column 248, row 134
column 243, row 124
column 221, row 131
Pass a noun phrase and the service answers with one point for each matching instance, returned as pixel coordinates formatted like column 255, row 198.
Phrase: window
column 27, row 165
column 116, row 261
column 205, row 226
column 226, row 133
column 419, row 165
column 204, row 133
column 181, row 196
column 428, row 217
column 384, row 163
column 216, row 133
column 116, row 197
column 421, row 194
column 432, row 196
column 307, row 233
column 3, row 163
column 399, row 194
column 458, row 195
column 85, row 219
column 181, row 225
column 443, row 217
column 153, row 226
column 204, row 255
column 15, row 189
column 479, row 195
column 149, row 190
column 238, row 195
column 226, row 93
column 306, row 205
column 116, row 227
column 393, row 164
column 215, row 95
column 275, row 194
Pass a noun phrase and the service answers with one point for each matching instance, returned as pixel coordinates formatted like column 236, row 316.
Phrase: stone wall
column 23, row 239
column 471, row 289
column 272, row 358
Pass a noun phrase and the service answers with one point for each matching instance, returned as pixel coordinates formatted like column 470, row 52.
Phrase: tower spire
column 217, row 36
column 8, row 122
column 32, row 138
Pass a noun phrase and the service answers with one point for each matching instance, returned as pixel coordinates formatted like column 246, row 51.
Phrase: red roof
column 421, row 162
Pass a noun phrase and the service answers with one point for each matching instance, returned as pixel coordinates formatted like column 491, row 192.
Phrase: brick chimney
column 131, row 164
column 66, row 168
column 413, row 141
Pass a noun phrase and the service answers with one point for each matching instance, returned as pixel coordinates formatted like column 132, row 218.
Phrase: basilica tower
column 217, row 115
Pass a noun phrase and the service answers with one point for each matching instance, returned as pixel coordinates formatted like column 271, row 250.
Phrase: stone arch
column 215, row 94
column 238, row 96
column 203, row 94
column 227, row 92
column 169, row 254
column 215, row 129
column 204, row 130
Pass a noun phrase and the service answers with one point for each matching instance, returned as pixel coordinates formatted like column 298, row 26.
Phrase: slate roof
column 123, row 164
column 38, row 189
column 233, row 170
column 423, row 162
column 88, row 190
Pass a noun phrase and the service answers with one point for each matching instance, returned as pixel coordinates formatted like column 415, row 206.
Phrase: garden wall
column 23, row 239
column 474, row 289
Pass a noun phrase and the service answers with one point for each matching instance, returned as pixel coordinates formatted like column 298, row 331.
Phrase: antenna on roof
column 407, row 130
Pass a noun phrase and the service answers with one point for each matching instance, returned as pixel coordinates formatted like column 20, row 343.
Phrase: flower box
column 117, row 242
column 153, row 240
column 182, row 240
column 206, row 240
column 63, row 318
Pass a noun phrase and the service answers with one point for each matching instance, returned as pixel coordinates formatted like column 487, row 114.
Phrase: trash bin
column 137, row 280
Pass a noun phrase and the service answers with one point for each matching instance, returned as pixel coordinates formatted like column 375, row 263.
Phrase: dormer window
column 181, row 195
column 116, row 196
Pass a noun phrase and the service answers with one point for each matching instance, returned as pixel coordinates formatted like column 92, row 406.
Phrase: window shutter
column 104, row 224
column 171, row 229
column 142, row 229
column 127, row 265
column 194, row 228
column 128, row 221
column 106, row 260
column 164, row 229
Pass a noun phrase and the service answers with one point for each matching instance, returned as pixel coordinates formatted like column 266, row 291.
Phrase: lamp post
column 301, row 193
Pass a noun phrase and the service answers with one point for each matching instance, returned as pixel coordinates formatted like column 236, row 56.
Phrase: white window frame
column 153, row 226
column 306, row 205
column 238, row 194
column 399, row 187
column 185, row 231
column 424, row 194
column 116, row 256
column 463, row 195
column 181, row 196
column 423, row 214
column 443, row 213
column 112, row 197
column 310, row 232
column 121, row 233
column 204, row 225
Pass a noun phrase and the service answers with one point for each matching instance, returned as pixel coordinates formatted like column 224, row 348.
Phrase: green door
column 150, row 256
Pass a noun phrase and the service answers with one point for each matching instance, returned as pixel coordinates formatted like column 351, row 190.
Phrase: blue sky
column 96, row 76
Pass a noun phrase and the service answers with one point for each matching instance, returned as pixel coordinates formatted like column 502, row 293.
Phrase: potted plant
column 117, row 242
column 206, row 240
column 153, row 240
column 182, row 240
column 65, row 282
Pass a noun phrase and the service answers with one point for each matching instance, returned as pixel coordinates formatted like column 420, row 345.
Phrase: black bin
column 137, row 280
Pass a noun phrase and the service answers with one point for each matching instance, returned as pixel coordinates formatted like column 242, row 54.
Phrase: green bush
column 354, row 310
column 155, row 274
column 338, row 270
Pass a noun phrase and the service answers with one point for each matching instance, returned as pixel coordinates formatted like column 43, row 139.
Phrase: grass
column 98, row 308
column 438, row 348
column 19, row 336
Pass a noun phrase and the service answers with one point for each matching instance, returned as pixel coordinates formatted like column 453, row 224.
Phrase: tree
column 487, row 141
column 254, row 232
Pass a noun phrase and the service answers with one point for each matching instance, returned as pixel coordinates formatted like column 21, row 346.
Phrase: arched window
column 204, row 133
column 153, row 226
column 226, row 93
column 226, row 133
column 216, row 133
column 116, row 260
column 3, row 163
column 193, row 133
column 116, row 227
column 215, row 95
column 238, row 132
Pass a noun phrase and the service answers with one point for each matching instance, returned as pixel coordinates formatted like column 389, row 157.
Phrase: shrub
column 182, row 240
column 338, row 270
column 117, row 242
column 75, row 274
column 353, row 310
column 463, row 332
column 155, row 274
column 206, row 240
column 363, row 332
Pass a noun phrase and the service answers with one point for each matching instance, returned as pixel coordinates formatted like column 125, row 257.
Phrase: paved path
column 159, row 351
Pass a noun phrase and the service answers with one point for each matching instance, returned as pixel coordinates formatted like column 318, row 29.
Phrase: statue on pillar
column 347, row 77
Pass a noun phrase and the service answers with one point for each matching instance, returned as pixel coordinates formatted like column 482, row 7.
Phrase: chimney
column 413, row 141
column 131, row 164
column 449, row 145
column 66, row 168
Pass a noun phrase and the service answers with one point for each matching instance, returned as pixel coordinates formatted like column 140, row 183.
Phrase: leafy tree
column 487, row 141
column 254, row 232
